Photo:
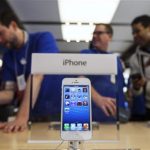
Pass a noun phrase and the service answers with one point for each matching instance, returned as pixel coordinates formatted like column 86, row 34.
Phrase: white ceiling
column 43, row 15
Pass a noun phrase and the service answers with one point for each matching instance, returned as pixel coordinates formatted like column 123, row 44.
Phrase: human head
column 141, row 30
column 10, row 30
column 102, row 35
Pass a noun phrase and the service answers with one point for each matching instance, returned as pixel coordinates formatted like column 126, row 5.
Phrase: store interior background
column 74, row 33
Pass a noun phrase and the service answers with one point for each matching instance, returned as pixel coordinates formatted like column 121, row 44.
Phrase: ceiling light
column 77, row 32
column 95, row 11
column 84, row 11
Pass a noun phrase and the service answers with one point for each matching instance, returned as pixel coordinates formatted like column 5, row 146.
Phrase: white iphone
column 76, row 120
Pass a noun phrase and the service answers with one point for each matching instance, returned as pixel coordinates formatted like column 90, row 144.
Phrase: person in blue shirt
column 104, row 90
column 16, row 71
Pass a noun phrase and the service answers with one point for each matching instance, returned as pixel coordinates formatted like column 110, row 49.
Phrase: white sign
column 74, row 64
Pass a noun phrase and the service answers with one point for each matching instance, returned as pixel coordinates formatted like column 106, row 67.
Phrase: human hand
column 108, row 105
column 19, row 124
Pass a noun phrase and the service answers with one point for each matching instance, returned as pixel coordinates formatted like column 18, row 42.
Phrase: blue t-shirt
column 103, row 85
column 49, row 98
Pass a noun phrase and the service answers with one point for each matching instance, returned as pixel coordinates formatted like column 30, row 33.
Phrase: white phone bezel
column 76, row 135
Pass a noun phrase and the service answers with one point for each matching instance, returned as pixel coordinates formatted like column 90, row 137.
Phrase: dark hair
column 144, row 20
column 125, row 56
column 7, row 16
column 108, row 27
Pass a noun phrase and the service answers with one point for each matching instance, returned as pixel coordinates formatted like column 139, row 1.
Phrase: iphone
column 76, row 120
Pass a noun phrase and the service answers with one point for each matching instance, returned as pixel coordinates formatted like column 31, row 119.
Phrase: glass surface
column 76, row 108
column 49, row 132
column 105, row 130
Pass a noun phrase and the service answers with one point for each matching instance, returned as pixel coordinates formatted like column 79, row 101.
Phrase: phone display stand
column 46, row 132
column 75, row 145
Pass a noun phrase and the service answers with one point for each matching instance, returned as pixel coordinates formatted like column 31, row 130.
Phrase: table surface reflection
column 132, row 136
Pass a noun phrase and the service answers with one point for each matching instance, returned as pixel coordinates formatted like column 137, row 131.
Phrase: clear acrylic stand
column 75, row 145
column 50, row 132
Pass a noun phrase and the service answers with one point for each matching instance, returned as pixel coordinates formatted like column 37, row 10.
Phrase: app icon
column 72, row 96
column 73, row 89
column 79, row 90
column 67, row 103
column 66, row 126
column 73, row 126
column 85, row 103
column 79, row 96
column 67, row 90
column 73, row 103
column 79, row 103
column 85, row 126
column 84, row 89
column 66, row 109
column 67, row 96
column 85, row 96
column 79, row 126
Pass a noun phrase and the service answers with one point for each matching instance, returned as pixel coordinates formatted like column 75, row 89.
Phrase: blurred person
column 103, row 87
column 16, row 71
column 126, row 55
column 140, row 68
